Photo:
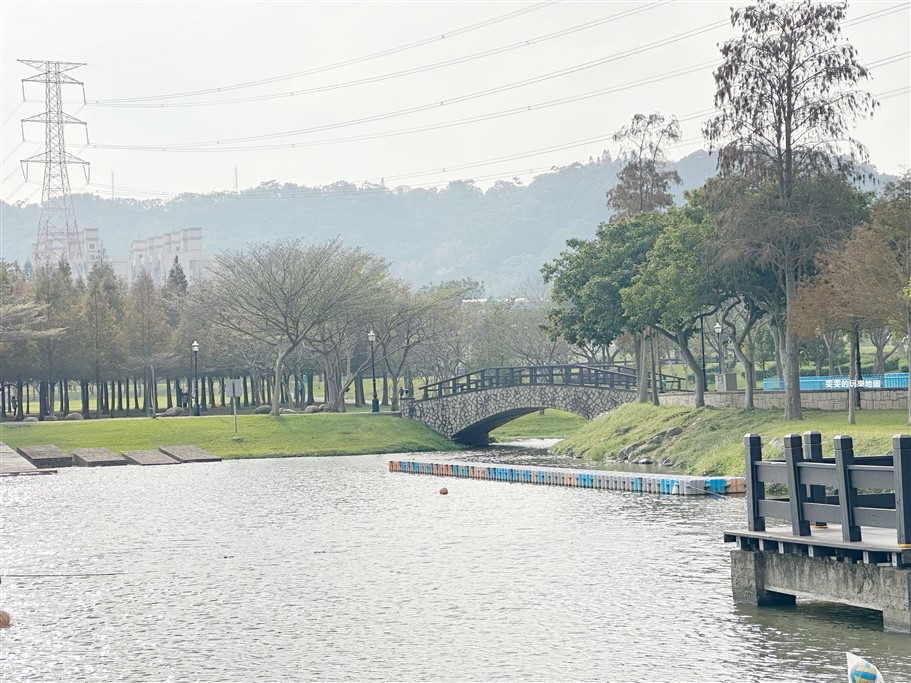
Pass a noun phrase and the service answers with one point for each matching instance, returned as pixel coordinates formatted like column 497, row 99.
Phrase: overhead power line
column 348, row 62
column 231, row 144
column 395, row 74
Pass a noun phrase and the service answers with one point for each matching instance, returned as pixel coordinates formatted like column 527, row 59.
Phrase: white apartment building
column 156, row 255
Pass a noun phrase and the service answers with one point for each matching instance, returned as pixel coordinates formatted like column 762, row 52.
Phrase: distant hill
column 502, row 236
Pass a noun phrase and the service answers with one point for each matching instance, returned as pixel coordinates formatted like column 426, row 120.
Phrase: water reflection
column 334, row 568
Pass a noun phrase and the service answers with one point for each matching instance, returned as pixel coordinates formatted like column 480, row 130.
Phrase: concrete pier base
column 761, row 577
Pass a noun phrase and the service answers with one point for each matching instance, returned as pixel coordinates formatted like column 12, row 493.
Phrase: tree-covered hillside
column 501, row 236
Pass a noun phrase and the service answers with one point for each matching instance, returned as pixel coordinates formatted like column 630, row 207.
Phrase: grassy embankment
column 263, row 435
column 712, row 439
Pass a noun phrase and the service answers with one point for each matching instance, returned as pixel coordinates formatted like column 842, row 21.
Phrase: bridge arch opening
column 478, row 434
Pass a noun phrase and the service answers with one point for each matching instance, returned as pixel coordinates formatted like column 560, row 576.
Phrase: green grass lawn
column 712, row 438
column 263, row 435
column 553, row 423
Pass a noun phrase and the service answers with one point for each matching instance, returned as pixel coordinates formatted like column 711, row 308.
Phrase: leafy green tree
column 588, row 277
column 673, row 287
column 786, row 97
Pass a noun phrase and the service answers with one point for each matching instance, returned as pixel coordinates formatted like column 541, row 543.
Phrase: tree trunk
column 651, row 339
column 276, row 394
column 84, row 397
column 694, row 365
column 246, row 395
column 19, row 400
column 852, row 377
column 879, row 337
column 359, row 399
column 167, row 385
column 641, row 371
column 860, row 374
column 908, row 359
column 793, row 410
column 749, row 367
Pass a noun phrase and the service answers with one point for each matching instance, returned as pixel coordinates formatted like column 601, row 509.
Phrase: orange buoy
column 444, row 491
column 5, row 619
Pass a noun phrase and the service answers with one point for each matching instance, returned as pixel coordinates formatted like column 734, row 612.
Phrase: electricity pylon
column 58, row 237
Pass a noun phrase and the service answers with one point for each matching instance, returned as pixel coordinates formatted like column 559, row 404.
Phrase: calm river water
column 335, row 569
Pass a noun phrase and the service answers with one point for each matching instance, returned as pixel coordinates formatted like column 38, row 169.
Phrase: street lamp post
column 718, row 329
column 375, row 404
column 195, row 347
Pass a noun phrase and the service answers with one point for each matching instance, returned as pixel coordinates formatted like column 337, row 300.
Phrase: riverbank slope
column 704, row 441
column 262, row 435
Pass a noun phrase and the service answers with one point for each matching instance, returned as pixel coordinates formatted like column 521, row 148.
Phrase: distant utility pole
column 58, row 236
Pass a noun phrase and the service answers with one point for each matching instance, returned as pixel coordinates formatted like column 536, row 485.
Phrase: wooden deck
column 13, row 464
column 878, row 546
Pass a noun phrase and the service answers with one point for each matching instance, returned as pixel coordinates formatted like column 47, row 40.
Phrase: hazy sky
column 188, row 96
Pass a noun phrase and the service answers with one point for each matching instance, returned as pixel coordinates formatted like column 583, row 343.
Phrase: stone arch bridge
column 467, row 407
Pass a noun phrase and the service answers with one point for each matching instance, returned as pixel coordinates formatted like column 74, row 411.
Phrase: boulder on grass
column 30, row 418
column 74, row 416
column 174, row 411
column 287, row 411
column 262, row 410
column 324, row 408
column 309, row 410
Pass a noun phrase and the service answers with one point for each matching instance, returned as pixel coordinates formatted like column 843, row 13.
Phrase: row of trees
column 781, row 235
column 277, row 314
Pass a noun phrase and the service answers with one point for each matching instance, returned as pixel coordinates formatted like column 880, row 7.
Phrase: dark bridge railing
column 491, row 378
column 873, row 491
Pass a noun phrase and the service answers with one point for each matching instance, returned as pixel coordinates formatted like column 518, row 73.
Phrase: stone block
column 97, row 457
column 149, row 458
column 189, row 453
column 45, row 457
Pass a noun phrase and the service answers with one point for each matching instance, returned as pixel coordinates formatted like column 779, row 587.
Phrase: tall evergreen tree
column 643, row 184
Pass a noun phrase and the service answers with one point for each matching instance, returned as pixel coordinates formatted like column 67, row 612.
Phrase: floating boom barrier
column 671, row 484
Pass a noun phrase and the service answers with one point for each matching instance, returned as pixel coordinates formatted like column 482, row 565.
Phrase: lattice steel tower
column 58, row 236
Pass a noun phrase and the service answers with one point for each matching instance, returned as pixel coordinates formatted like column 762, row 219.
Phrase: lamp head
column 371, row 336
column 717, row 328
column 195, row 346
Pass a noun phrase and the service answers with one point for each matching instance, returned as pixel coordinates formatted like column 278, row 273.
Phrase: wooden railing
column 872, row 491
column 491, row 378
column 664, row 382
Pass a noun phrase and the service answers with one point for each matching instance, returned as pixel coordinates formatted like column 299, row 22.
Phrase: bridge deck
column 610, row 376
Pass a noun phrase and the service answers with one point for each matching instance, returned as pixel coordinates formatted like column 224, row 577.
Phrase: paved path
column 13, row 463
